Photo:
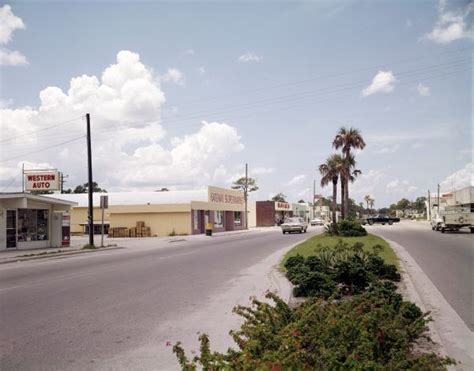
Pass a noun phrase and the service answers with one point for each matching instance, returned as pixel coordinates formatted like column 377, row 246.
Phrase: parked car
column 316, row 221
column 382, row 219
column 294, row 225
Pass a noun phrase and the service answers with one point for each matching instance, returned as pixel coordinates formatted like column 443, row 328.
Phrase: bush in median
column 342, row 270
column 346, row 228
column 374, row 330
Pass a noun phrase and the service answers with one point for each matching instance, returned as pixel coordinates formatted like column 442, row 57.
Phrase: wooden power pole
column 90, row 187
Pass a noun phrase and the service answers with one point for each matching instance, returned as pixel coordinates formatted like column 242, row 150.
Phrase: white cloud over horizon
column 423, row 90
column 250, row 57
column 459, row 179
column 9, row 23
column 173, row 75
column 129, row 146
column 451, row 25
column 383, row 82
column 296, row 180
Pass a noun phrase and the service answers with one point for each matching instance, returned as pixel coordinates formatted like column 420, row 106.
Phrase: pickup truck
column 453, row 219
column 382, row 219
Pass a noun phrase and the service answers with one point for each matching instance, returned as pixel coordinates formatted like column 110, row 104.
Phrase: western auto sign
column 42, row 181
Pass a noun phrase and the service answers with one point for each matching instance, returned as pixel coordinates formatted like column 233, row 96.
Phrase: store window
column 219, row 219
column 238, row 218
column 195, row 219
column 33, row 225
column 207, row 218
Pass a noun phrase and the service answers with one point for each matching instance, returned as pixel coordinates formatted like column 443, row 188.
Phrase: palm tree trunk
column 343, row 207
column 334, row 201
column 346, row 197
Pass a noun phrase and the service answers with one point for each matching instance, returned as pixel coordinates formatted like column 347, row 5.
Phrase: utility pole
column 314, row 198
column 90, row 188
column 23, row 177
column 62, row 181
column 246, row 192
column 429, row 205
column 438, row 198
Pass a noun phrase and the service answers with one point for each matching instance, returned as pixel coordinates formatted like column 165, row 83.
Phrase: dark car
column 382, row 219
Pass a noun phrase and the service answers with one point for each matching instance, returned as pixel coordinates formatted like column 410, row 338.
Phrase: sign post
column 104, row 204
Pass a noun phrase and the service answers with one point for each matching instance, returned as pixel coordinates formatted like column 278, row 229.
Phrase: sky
column 182, row 95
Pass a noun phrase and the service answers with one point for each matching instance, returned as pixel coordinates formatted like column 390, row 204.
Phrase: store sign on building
column 225, row 196
column 42, row 181
column 282, row 206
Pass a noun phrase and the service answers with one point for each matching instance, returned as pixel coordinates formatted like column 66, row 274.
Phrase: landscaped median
column 353, row 316
column 316, row 243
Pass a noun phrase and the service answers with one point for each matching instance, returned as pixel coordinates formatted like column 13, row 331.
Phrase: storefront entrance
column 11, row 229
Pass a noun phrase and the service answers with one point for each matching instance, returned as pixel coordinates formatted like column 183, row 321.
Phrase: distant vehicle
column 453, row 219
column 316, row 221
column 294, row 225
column 382, row 219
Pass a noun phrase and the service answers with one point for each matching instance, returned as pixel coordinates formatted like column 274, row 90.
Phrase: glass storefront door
column 11, row 229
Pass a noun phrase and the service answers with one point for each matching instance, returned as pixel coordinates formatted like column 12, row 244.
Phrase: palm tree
column 367, row 200
column 371, row 202
column 347, row 139
column 330, row 171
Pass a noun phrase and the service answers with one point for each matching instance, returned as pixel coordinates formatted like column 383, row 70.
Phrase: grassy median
column 309, row 247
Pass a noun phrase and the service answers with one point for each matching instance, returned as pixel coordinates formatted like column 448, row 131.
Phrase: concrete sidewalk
column 77, row 243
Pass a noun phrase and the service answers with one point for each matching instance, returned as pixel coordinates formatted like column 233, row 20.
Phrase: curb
column 447, row 329
column 49, row 256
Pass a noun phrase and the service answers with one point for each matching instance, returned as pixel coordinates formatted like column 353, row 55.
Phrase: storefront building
column 30, row 221
column 270, row 213
column 164, row 213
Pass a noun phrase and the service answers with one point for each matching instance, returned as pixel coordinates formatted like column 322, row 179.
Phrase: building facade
column 270, row 213
column 165, row 213
column 30, row 221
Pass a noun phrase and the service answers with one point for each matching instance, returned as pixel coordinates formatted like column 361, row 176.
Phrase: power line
column 42, row 129
column 43, row 149
column 9, row 184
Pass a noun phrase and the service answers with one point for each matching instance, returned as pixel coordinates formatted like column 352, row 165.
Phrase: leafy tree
column 84, row 188
column 403, row 204
column 384, row 210
column 347, row 139
column 279, row 197
column 164, row 189
column 419, row 204
column 301, row 201
column 330, row 171
column 246, row 185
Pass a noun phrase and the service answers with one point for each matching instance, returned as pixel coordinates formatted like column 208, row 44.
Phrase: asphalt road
column 81, row 312
column 447, row 259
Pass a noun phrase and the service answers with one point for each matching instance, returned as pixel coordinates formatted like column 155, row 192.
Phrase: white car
column 294, row 225
column 316, row 221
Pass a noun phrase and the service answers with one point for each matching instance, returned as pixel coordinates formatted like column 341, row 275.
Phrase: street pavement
column 446, row 258
column 122, row 309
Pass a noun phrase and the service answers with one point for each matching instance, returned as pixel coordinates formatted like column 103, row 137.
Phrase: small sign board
column 42, row 180
column 104, row 202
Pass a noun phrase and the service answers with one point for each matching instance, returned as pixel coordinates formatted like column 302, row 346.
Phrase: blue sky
column 273, row 81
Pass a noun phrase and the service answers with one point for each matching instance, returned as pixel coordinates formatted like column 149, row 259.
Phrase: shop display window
column 238, row 218
column 219, row 219
column 33, row 225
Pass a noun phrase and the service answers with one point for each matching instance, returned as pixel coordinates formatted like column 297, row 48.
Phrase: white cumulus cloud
column 130, row 149
column 9, row 22
column 459, row 179
column 452, row 25
column 250, row 57
column 173, row 75
column 383, row 82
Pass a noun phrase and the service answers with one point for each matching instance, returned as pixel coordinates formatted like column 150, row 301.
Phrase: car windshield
column 293, row 220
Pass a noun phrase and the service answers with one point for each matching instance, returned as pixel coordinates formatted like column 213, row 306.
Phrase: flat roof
column 137, row 198
column 41, row 198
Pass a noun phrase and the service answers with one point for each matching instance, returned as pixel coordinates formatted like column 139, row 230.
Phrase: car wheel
column 472, row 230
column 443, row 230
column 390, row 222
column 383, row 223
column 371, row 222
column 283, row 232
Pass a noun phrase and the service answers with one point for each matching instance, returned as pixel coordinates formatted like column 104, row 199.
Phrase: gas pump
column 66, row 230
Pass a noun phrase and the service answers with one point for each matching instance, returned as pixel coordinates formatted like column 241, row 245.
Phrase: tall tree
column 330, row 171
column 346, row 140
column 245, row 185
column 367, row 199
column 279, row 197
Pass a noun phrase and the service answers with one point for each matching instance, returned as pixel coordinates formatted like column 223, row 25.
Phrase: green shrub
column 376, row 330
column 342, row 270
column 346, row 228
